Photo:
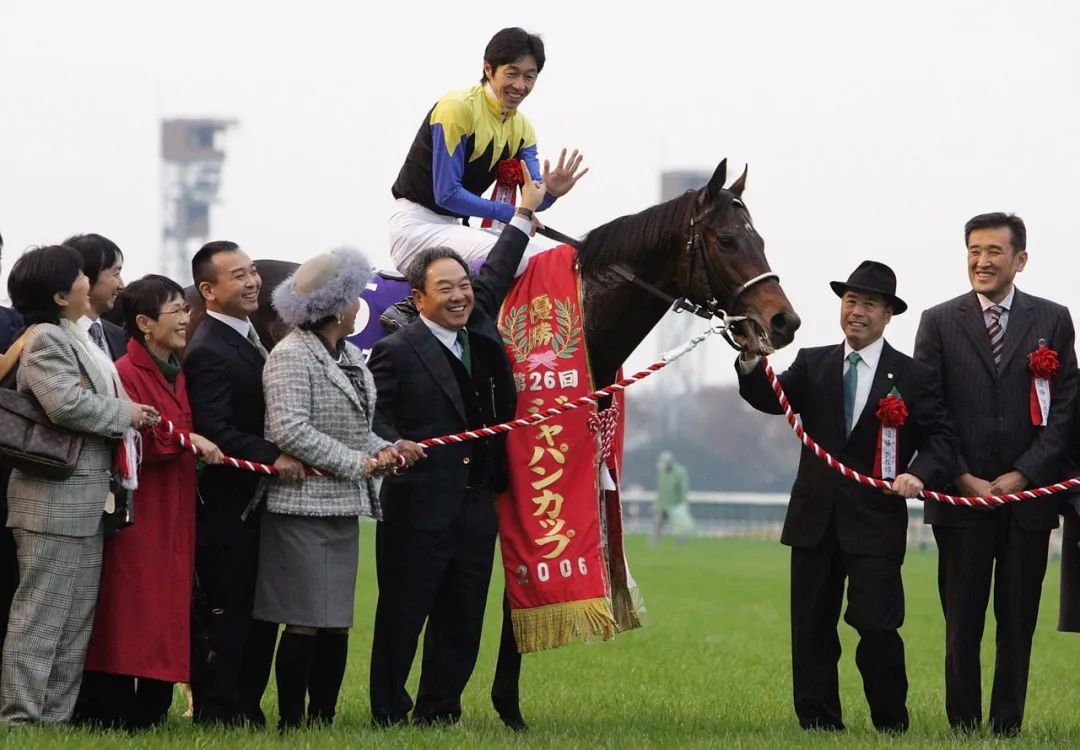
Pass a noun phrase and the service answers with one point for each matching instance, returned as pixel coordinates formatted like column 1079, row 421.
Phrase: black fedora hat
column 872, row 276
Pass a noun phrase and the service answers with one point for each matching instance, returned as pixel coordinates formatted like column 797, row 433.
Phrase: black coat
column 989, row 406
column 224, row 382
column 867, row 521
column 419, row 397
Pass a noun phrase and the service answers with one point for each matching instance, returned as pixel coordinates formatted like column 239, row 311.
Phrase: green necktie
column 253, row 337
column 466, row 352
column 851, row 384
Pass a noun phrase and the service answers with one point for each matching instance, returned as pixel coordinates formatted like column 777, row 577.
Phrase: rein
column 695, row 246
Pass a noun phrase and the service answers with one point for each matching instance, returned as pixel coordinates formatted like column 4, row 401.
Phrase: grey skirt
column 307, row 570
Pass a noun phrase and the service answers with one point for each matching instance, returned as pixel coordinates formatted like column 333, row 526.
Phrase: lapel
column 142, row 359
column 431, row 354
column 879, row 389
column 228, row 335
column 333, row 372
column 1021, row 318
column 974, row 325
column 834, row 387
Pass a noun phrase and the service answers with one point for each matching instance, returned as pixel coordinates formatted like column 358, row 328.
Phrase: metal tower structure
column 191, row 159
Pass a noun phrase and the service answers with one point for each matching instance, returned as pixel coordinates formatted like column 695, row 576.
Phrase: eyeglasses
column 185, row 310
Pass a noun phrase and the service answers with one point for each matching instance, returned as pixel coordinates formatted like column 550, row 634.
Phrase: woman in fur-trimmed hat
column 320, row 399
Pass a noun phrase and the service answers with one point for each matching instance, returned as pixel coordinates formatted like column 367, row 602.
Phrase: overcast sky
column 871, row 131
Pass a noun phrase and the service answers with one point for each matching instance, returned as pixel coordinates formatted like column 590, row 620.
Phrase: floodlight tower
column 191, row 159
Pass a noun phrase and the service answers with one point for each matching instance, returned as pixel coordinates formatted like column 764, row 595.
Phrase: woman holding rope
column 141, row 641
column 320, row 403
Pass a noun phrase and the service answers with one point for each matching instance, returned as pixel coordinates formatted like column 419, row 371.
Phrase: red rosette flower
column 892, row 411
column 508, row 172
column 1043, row 362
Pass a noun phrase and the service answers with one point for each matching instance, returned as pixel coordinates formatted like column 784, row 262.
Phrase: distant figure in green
column 672, row 503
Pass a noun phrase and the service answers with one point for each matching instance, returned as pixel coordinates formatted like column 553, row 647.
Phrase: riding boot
column 327, row 672
column 292, row 669
column 504, row 689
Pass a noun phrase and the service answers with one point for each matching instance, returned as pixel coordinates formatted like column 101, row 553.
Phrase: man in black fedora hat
column 872, row 408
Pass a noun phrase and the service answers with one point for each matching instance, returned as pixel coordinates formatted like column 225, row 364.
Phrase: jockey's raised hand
column 565, row 175
column 532, row 191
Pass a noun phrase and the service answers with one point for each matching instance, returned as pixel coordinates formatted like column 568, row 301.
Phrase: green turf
column 710, row 670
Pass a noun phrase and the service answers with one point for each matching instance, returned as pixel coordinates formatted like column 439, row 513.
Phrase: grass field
column 710, row 670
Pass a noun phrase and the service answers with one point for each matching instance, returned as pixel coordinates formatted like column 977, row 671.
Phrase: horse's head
column 723, row 267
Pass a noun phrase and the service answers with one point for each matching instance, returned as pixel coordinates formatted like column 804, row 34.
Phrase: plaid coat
column 314, row 413
column 50, row 369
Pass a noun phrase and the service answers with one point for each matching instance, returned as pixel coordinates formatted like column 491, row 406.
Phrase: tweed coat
column 313, row 412
column 989, row 405
column 50, row 369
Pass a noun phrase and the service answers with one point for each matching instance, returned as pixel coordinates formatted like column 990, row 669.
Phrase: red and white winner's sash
column 554, row 526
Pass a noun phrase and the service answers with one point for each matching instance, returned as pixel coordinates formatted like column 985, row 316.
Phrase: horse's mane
column 623, row 238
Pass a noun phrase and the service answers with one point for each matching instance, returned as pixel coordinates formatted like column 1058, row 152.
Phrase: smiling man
column 839, row 530
column 979, row 346
column 445, row 372
column 223, row 364
column 455, row 155
column 102, row 263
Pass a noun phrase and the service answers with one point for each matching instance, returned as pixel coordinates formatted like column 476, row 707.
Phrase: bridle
column 695, row 249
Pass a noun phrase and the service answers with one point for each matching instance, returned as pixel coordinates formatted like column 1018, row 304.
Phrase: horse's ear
column 739, row 185
column 716, row 183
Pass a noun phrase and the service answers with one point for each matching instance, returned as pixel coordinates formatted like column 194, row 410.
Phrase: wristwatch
column 525, row 213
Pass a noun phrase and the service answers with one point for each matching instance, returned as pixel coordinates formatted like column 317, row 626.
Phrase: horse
column 700, row 248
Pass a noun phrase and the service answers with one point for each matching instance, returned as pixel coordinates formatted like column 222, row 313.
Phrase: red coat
column 142, row 624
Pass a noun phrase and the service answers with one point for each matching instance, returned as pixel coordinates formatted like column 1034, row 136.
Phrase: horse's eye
column 726, row 239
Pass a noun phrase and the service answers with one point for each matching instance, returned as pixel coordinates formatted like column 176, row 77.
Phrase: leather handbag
column 29, row 441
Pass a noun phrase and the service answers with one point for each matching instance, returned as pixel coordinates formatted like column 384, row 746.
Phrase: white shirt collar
column 445, row 336
column 1007, row 303
column 870, row 354
column 85, row 322
column 240, row 326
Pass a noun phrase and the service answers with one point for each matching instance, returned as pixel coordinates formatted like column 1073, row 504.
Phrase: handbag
column 29, row 441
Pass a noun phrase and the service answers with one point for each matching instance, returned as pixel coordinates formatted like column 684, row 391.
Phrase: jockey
column 455, row 154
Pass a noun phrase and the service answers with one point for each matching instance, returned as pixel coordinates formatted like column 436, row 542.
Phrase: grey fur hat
column 322, row 286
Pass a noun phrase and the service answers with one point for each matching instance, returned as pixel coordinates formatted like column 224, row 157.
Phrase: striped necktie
column 997, row 333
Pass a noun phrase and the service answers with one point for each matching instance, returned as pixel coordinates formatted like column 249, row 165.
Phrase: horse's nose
column 784, row 325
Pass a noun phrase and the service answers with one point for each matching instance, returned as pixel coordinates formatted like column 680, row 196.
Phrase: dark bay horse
column 701, row 246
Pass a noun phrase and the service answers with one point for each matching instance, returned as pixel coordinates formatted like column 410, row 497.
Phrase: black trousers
column 875, row 609
column 232, row 652
column 116, row 701
column 968, row 558
column 441, row 578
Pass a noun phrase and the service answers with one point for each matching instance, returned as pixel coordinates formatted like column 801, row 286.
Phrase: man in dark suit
column 978, row 345
column 223, row 363
column 102, row 263
column 839, row 529
column 443, row 373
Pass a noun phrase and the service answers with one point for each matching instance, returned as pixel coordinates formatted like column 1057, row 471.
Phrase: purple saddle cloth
column 385, row 289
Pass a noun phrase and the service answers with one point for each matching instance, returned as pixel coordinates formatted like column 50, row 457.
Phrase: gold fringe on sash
column 554, row 625
column 625, row 609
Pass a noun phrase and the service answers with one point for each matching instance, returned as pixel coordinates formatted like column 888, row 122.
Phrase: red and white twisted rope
column 605, row 422
column 983, row 501
column 237, row 463
column 590, row 398
column 608, row 423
